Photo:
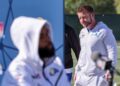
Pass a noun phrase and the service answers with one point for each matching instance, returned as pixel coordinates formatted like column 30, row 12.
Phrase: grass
column 116, row 76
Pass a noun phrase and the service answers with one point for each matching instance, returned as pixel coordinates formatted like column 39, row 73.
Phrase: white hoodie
column 27, row 68
column 99, row 39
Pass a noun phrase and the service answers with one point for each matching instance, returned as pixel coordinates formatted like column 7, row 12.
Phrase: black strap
column 46, row 77
column 59, row 78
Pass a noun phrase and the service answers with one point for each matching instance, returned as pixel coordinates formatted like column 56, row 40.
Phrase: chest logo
column 53, row 71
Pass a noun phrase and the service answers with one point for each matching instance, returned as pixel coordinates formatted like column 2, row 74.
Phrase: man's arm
column 111, row 47
column 74, row 42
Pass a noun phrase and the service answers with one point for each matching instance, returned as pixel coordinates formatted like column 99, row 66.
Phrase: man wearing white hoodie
column 36, row 64
column 94, row 37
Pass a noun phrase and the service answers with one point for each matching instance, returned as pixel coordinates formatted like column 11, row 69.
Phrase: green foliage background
column 100, row 6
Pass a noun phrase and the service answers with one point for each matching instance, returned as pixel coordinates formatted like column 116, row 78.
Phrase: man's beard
column 46, row 52
column 87, row 23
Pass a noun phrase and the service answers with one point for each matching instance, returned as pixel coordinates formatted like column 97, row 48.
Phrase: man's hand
column 108, row 75
column 75, row 76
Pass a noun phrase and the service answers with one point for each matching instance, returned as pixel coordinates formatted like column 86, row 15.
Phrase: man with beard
column 36, row 64
column 94, row 37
